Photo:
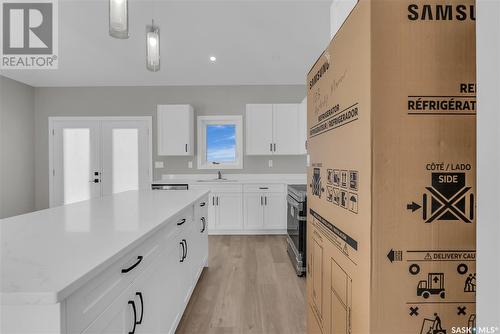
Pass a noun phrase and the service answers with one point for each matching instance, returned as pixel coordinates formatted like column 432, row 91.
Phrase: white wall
column 339, row 10
column 488, row 162
column 17, row 155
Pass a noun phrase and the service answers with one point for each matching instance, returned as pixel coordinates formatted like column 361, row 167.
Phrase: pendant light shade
column 153, row 48
column 118, row 18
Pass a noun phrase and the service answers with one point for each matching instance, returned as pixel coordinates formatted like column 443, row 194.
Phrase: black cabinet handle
column 186, row 249
column 131, row 302
column 261, row 200
column 204, row 223
column 263, row 188
column 186, row 147
column 183, row 251
column 202, row 204
column 217, row 200
column 142, row 307
column 139, row 259
column 274, row 147
column 213, row 201
column 271, row 147
column 265, row 200
column 182, row 221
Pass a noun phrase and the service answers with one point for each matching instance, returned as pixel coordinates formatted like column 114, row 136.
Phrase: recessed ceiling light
column 213, row 59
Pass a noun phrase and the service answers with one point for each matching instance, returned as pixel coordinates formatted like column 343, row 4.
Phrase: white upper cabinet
column 272, row 129
column 285, row 128
column 303, row 126
column 259, row 129
column 175, row 129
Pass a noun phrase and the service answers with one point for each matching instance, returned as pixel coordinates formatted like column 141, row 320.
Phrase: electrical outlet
column 190, row 164
column 270, row 163
column 159, row 164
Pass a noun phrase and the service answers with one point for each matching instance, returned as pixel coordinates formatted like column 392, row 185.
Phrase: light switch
column 190, row 164
column 159, row 164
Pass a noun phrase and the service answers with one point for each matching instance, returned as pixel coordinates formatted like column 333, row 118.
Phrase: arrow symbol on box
column 390, row 255
column 413, row 206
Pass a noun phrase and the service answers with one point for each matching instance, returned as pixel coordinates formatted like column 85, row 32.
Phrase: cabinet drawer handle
column 204, row 223
column 131, row 302
column 142, row 307
column 126, row 270
column 265, row 200
column 186, row 147
column 271, row 147
column 263, row 188
column 261, row 203
column 183, row 250
column 182, row 221
column 275, row 147
column 202, row 204
column 186, row 249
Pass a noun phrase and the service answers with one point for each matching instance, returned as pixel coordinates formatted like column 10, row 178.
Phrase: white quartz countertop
column 46, row 255
column 231, row 179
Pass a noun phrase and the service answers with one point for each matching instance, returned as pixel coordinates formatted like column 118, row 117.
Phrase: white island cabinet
column 126, row 263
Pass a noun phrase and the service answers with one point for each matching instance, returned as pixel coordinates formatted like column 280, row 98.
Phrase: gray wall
column 17, row 155
column 142, row 101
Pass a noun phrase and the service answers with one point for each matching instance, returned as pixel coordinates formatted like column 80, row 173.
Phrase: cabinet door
column 156, row 293
column 119, row 317
column 229, row 211
column 285, row 128
column 259, row 129
column 212, row 212
column 275, row 211
column 175, row 129
column 253, row 211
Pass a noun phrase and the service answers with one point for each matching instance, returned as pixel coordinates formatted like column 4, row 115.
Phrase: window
column 220, row 142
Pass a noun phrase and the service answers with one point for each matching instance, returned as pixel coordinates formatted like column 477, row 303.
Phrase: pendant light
column 118, row 18
column 153, row 47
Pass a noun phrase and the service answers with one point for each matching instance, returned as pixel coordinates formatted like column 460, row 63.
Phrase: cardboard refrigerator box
column 391, row 198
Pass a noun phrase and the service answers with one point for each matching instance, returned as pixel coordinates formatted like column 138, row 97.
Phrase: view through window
column 221, row 143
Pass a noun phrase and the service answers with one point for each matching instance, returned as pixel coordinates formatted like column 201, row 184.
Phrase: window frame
column 202, row 122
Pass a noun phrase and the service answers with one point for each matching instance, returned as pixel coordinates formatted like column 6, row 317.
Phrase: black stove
column 296, row 226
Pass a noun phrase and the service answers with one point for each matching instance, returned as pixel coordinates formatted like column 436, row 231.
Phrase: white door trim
column 52, row 120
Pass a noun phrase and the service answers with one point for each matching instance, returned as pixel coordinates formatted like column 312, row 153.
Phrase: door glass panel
column 125, row 170
column 76, row 165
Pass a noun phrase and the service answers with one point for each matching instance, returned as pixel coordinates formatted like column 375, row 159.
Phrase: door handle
column 213, row 200
column 182, row 221
column 217, row 200
column 274, row 147
column 186, row 148
column 271, row 147
column 131, row 302
column 142, row 307
column 126, row 270
column 261, row 201
column 265, row 200
column 202, row 204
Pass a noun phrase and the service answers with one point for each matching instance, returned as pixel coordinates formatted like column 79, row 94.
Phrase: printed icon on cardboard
column 316, row 182
column 433, row 285
column 432, row 326
column 470, row 283
column 329, row 194
column 336, row 177
column 353, row 180
column 448, row 198
column 353, row 202
column 343, row 178
column 329, row 176
column 344, row 200
column 336, row 196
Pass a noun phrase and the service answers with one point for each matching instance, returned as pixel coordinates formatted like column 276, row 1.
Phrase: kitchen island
column 117, row 264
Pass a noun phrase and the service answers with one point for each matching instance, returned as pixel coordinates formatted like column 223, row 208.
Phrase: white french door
column 93, row 157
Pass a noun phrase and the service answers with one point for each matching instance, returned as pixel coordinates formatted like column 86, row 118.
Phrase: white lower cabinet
column 156, row 297
column 229, row 211
column 264, row 212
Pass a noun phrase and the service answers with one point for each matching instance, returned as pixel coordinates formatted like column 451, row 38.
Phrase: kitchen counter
column 201, row 179
column 48, row 254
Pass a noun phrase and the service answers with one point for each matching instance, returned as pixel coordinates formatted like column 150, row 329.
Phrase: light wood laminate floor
column 249, row 287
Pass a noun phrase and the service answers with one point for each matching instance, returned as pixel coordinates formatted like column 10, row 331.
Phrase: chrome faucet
column 219, row 175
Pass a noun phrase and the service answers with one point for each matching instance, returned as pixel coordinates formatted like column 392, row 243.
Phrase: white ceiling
column 255, row 42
